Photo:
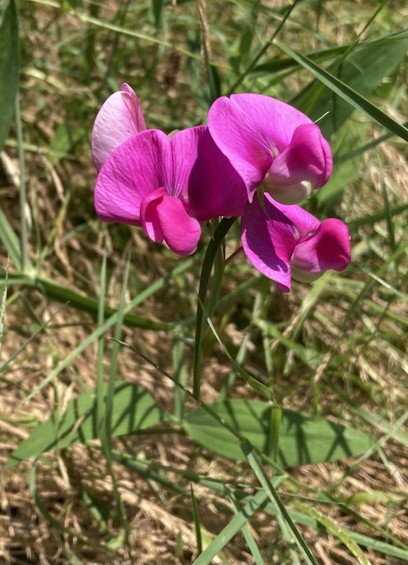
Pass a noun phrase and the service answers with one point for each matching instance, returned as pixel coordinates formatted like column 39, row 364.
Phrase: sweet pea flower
column 286, row 241
column 119, row 118
column 168, row 186
column 269, row 141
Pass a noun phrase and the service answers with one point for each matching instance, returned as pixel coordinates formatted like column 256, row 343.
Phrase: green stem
column 212, row 258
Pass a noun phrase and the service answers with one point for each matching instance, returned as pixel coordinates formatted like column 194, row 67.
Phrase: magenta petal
column 306, row 164
column 306, row 224
column 150, row 220
column 215, row 188
column 329, row 248
column 268, row 239
column 241, row 140
column 276, row 119
column 134, row 170
column 119, row 118
column 164, row 218
column 184, row 147
column 251, row 130
column 180, row 231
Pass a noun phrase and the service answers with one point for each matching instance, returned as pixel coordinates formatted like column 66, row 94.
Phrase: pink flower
column 268, row 140
column 119, row 118
column 286, row 241
column 168, row 186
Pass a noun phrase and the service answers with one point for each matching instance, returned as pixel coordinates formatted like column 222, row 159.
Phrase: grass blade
column 235, row 525
column 197, row 523
column 9, row 68
column 280, row 510
column 346, row 93
column 361, row 539
column 249, row 538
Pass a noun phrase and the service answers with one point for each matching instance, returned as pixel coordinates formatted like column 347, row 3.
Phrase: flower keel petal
column 180, row 231
column 150, row 220
column 329, row 248
column 306, row 164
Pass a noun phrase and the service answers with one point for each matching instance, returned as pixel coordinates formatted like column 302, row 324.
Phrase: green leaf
column 277, row 64
column 349, row 84
column 9, row 67
column 133, row 410
column 303, row 439
column 54, row 291
column 157, row 8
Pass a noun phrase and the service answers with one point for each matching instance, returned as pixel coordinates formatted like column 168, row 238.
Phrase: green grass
column 132, row 380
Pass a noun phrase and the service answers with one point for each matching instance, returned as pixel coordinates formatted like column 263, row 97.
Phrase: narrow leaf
column 238, row 521
column 346, row 93
column 9, row 68
column 279, row 508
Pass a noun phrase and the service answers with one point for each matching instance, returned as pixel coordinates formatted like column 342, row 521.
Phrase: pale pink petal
column 242, row 141
column 180, row 231
column 329, row 248
column 268, row 239
column 119, row 118
column 304, row 165
column 137, row 168
column 150, row 220
column 215, row 188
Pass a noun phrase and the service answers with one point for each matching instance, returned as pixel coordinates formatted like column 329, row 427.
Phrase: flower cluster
column 257, row 158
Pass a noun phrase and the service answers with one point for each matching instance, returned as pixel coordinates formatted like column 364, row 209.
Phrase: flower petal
column 180, row 231
column 184, row 147
column 149, row 217
column 137, row 168
column 268, row 239
column 306, row 224
column 241, row 140
column 276, row 119
column 215, row 188
column 304, row 165
column 119, row 118
column 329, row 248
